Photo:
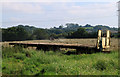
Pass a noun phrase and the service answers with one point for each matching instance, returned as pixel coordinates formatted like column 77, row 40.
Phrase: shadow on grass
column 84, row 52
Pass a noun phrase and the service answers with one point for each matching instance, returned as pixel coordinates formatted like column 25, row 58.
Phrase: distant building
column 119, row 14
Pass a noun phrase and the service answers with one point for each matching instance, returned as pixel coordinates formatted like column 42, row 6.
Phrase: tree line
column 21, row 32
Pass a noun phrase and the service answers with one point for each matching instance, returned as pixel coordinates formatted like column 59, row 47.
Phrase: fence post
column 103, row 43
column 99, row 39
column 108, row 39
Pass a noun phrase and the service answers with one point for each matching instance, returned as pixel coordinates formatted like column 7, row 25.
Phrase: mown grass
column 20, row 61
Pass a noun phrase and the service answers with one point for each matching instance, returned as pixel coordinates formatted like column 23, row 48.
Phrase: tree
column 40, row 34
column 61, row 27
column 72, row 25
column 87, row 25
column 80, row 33
column 14, row 34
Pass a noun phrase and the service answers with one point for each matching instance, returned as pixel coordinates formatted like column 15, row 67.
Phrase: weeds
column 20, row 61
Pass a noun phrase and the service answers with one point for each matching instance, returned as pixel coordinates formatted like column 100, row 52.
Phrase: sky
column 50, row 14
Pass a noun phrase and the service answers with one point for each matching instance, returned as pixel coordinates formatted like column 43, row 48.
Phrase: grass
column 20, row 61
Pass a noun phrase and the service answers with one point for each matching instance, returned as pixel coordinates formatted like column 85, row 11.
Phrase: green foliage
column 8, row 51
column 28, row 28
column 56, row 63
column 82, row 33
column 72, row 30
column 14, row 34
column 19, row 56
column 101, row 65
column 40, row 34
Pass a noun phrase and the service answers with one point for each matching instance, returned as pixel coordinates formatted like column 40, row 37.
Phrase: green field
column 20, row 61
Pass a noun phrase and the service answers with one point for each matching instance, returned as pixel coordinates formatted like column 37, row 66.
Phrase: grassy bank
column 31, row 62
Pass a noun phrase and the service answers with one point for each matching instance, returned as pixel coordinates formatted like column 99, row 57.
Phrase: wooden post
column 99, row 39
column 103, row 43
column 108, row 39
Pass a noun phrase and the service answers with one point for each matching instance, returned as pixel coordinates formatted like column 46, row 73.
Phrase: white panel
column 119, row 14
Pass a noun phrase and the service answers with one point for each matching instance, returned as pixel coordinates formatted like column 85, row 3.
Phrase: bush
column 19, row 56
column 100, row 65
column 9, row 51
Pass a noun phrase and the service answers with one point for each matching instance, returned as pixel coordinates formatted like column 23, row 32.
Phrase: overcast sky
column 50, row 14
